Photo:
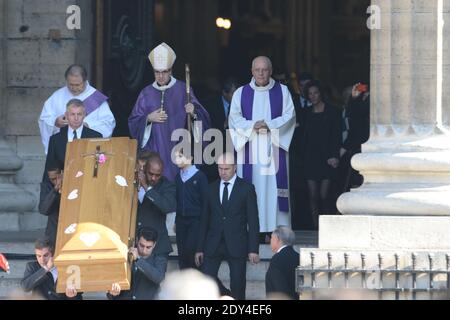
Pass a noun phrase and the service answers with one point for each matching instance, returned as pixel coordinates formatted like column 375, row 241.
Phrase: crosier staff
column 188, row 93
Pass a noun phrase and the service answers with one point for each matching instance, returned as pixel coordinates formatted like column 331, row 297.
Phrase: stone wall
column 36, row 49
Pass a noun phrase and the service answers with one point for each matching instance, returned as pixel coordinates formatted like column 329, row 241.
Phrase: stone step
column 10, row 289
column 28, row 221
column 257, row 272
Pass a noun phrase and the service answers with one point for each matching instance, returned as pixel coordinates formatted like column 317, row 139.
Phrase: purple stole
column 276, row 106
column 94, row 101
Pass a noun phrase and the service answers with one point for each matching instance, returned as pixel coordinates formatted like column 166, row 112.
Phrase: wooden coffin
column 97, row 216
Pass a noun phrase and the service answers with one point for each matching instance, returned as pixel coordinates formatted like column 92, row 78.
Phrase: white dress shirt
column 70, row 133
column 279, row 250
column 230, row 187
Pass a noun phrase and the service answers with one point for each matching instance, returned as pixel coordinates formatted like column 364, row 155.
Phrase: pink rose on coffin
column 102, row 159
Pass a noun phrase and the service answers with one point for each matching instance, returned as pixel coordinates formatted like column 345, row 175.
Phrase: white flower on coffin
column 73, row 195
column 90, row 238
column 121, row 181
column 71, row 229
column 79, row 174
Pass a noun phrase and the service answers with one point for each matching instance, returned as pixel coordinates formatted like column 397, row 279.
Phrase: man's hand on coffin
column 143, row 180
column 134, row 252
column 71, row 292
column 115, row 290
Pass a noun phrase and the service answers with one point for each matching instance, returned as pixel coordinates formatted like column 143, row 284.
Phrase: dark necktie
column 225, row 195
column 75, row 135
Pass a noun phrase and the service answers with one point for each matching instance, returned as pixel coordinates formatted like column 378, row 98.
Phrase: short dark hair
column 149, row 234
column 76, row 70
column 75, row 102
column 154, row 157
column 43, row 243
column 52, row 165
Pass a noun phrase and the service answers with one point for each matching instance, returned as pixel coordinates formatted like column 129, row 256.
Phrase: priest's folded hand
column 158, row 116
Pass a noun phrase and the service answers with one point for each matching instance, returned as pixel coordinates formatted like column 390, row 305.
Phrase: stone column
column 400, row 218
column 13, row 200
column 406, row 163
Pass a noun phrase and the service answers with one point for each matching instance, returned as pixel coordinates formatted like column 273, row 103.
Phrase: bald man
column 262, row 123
column 229, row 227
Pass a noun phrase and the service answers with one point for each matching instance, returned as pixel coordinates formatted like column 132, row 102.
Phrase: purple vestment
column 276, row 106
column 175, row 99
column 94, row 101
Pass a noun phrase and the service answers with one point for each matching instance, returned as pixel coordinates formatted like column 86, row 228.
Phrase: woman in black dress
column 322, row 142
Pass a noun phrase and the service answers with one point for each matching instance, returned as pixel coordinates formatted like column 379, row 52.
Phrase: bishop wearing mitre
column 164, row 107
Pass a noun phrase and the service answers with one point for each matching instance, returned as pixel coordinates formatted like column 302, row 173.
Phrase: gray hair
column 269, row 63
column 75, row 102
column 76, row 70
column 285, row 234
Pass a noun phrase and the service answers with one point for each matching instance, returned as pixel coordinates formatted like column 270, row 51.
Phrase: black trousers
column 187, row 230
column 238, row 268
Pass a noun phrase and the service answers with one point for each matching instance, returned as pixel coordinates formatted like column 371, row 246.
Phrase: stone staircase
column 21, row 245
column 21, row 224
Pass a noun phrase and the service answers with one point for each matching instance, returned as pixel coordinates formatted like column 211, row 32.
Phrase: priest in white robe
column 262, row 123
column 99, row 116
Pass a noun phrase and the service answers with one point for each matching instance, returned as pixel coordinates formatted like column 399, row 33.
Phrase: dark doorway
column 128, row 34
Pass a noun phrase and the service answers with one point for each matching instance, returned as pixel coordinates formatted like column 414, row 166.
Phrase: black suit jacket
column 41, row 283
column 58, row 144
column 146, row 276
column 237, row 225
column 158, row 202
column 280, row 277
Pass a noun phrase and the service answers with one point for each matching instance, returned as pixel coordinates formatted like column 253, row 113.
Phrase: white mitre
column 162, row 57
